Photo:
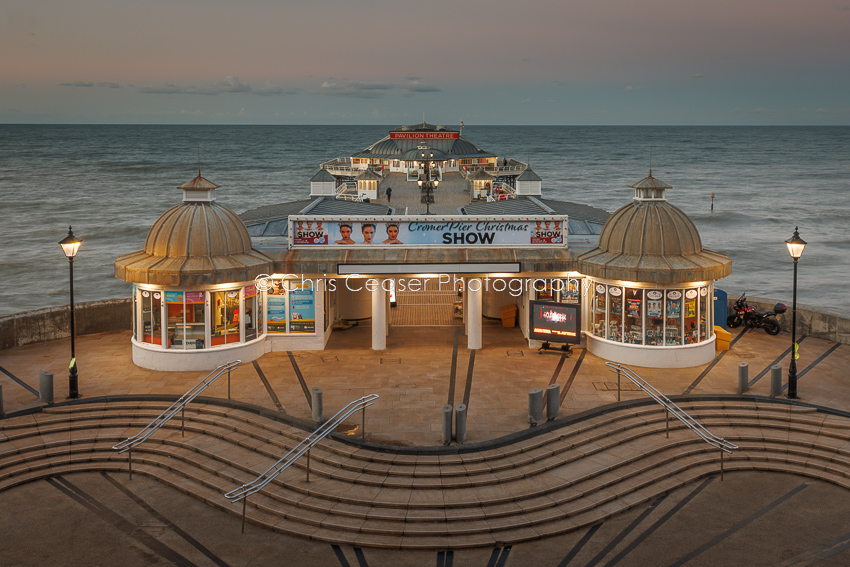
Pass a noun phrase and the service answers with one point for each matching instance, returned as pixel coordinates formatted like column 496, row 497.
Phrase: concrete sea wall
column 811, row 321
column 55, row 322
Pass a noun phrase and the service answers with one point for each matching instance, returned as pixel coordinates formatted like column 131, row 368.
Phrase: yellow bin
column 724, row 337
column 509, row 316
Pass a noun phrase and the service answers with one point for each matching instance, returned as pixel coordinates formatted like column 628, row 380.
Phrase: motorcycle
column 752, row 318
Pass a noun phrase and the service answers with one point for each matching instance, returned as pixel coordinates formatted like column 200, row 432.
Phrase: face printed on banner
column 392, row 234
column 345, row 234
column 368, row 230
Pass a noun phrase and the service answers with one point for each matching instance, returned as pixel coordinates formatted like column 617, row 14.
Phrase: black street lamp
column 70, row 245
column 795, row 246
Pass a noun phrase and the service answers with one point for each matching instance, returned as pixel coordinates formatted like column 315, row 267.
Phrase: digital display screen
column 555, row 322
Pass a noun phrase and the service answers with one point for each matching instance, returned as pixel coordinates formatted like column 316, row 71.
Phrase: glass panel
column 703, row 313
column 599, row 296
column 276, row 305
column 615, row 314
column 673, row 328
column 186, row 319
column 250, row 312
column 654, row 317
column 136, row 313
column 634, row 316
column 152, row 317
column 225, row 317
column 570, row 290
column 544, row 290
column 175, row 310
column 302, row 306
column 690, row 317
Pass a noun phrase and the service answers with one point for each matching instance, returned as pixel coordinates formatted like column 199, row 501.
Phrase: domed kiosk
column 651, row 285
column 195, row 305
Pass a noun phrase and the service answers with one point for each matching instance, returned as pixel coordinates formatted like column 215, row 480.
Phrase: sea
column 111, row 182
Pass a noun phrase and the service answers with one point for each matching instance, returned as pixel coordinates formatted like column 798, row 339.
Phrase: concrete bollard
column 553, row 401
column 460, row 423
column 743, row 377
column 45, row 386
column 775, row 380
column 447, row 424
column 318, row 405
column 535, row 406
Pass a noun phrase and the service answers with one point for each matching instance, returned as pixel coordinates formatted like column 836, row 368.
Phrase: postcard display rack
column 652, row 317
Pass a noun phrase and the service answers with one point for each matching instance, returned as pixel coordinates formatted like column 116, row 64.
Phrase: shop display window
column 291, row 307
column 634, row 316
column 186, row 312
column 251, row 311
column 599, row 309
column 703, row 314
column 615, row 314
column 673, row 313
column 569, row 291
column 544, row 290
column 654, row 317
column 151, row 326
column 302, row 306
column 690, row 316
column 136, row 332
column 225, row 317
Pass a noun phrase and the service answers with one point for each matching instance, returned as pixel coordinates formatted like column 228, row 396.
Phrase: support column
column 379, row 318
column 474, row 294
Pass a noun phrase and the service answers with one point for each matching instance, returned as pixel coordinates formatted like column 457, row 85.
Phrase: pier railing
column 178, row 406
column 243, row 492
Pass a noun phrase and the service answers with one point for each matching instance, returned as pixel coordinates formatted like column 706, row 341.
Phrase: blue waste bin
column 720, row 308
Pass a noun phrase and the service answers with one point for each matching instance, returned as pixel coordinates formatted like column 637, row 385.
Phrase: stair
column 558, row 481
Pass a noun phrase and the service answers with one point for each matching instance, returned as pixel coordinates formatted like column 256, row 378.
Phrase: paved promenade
column 777, row 505
column 420, row 371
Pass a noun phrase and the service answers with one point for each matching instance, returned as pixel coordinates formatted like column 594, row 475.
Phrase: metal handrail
column 305, row 445
column 246, row 490
column 180, row 404
column 678, row 413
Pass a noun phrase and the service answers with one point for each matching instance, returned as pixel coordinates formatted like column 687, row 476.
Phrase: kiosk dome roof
column 651, row 241
column 197, row 242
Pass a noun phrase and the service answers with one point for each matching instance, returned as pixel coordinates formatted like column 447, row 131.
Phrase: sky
column 570, row 62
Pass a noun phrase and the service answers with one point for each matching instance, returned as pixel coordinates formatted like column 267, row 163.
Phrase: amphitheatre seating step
column 551, row 483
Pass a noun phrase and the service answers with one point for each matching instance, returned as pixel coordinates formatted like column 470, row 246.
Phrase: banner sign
column 302, row 307
column 451, row 232
column 276, row 305
column 424, row 135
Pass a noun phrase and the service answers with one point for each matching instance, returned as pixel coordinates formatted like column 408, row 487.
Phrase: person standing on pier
column 389, row 194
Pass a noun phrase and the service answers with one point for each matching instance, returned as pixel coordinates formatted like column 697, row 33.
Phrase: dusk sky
column 388, row 62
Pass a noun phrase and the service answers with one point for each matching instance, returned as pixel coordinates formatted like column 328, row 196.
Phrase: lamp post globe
column 795, row 245
column 70, row 245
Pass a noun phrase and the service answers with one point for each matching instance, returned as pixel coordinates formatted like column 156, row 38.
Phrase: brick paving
column 412, row 377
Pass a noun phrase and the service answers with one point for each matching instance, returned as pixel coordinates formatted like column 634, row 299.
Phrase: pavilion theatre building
column 210, row 286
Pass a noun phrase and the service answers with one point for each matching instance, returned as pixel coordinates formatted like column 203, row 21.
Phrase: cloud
column 109, row 85
column 230, row 84
column 629, row 89
column 76, row 84
column 697, row 76
column 415, row 85
column 356, row 89
column 271, row 90
column 362, row 89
